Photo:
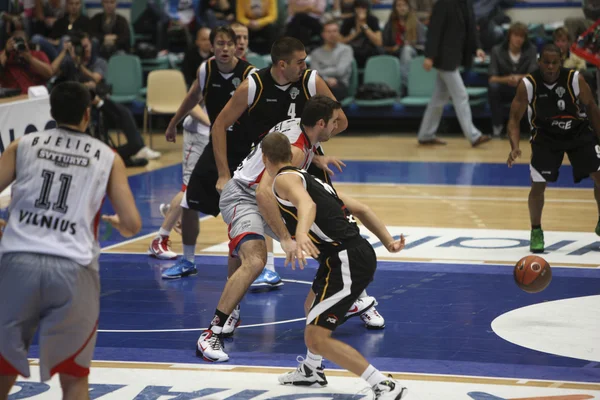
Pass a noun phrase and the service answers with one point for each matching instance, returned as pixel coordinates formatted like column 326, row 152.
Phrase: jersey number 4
column 292, row 110
column 61, row 203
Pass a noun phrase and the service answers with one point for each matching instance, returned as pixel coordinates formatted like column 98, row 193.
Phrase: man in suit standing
column 452, row 40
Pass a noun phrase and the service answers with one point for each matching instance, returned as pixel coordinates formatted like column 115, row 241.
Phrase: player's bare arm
column 517, row 109
column 587, row 99
column 290, row 187
column 127, row 219
column 232, row 111
column 323, row 89
column 8, row 162
column 193, row 97
column 372, row 222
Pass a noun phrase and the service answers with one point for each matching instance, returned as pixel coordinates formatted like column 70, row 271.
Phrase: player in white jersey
column 49, row 249
column 246, row 203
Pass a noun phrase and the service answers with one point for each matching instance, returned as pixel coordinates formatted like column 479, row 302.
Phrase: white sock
column 270, row 262
column 373, row 376
column 163, row 232
column 363, row 294
column 313, row 360
column 189, row 252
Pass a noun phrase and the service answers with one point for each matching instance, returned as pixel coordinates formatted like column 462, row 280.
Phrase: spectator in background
column 217, row 12
column 403, row 34
column 362, row 33
column 72, row 21
column 111, row 30
column 46, row 13
column 241, row 40
column 423, row 9
column 561, row 39
column 196, row 55
column 490, row 16
column 343, row 9
column 303, row 21
column 182, row 17
column 333, row 60
column 77, row 62
column 21, row 67
column 16, row 17
column 510, row 62
column 452, row 41
column 259, row 16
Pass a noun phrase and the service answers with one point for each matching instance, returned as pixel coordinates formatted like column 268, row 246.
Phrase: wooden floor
column 419, row 205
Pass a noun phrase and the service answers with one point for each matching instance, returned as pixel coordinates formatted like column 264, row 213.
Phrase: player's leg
column 546, row 159
column 74, row 388
column 334, row 293
column 160, row 246
column 596, row 177
column 234, row 320
column 268, row 278
column 20, row 279
column 6, row 383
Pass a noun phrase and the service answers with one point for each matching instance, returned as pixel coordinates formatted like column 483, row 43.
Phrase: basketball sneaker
column 182, row 268
column 267, row 278
column 360, row 306
column 210, row 347
column 389, row 390
column 161, row 248
column 372, row 319
column 536, row 244
column 232, row 322
column 304, row 375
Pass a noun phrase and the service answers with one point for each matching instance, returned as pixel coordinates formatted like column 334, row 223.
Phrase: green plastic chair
column 382, row 69
column 353, row 86
column 420, row 84
column 125, row 74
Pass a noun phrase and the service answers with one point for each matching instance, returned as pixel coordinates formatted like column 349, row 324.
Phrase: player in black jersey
column 322, row 222
column 556, row 100
column 217, row 79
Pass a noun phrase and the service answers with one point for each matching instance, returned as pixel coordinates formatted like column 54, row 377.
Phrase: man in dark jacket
column 452, row 40
column 510, row 62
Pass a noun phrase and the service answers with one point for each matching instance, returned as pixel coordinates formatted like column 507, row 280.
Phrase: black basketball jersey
column 554, row 110
column 334, row 226
column 272, row 103
column 216, row 91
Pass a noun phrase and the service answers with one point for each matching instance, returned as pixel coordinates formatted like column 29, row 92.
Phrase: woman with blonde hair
column 403, row 34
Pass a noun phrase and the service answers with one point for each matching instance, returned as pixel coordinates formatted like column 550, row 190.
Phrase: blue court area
column 438, row 318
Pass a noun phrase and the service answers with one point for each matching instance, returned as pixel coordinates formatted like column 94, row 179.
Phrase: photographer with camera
column 21, row 67
column 77, row 62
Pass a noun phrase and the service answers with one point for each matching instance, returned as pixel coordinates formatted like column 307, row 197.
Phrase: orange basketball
column 532, row 274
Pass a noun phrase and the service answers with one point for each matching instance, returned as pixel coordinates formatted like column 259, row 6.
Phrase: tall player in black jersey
column 217, row 79
column 323, row 225
column 556, row 100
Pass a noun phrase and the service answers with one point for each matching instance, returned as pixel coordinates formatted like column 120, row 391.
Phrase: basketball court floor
column 457, row 326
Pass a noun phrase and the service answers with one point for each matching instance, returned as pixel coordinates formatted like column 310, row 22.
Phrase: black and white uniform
column 559, row 125
column 347, row 261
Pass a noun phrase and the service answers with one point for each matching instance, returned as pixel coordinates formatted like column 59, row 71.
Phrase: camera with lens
column 20, row 45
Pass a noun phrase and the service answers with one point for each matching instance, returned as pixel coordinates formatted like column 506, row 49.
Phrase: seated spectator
column 343, row 9
column 423, row 9
column 403, row 34
column 362, row 33
column 259, row 16
column 22, row 67
column 303, row 20
column 241, row 40
column 178, row 19
column 333, row 61
column 217, row 13
column 509, row 63
column 72, row 21
column 77, row 62
column 561, row 39
column 47, row 12
column 16, row 17
column 490, row 16
column 111, row 30
column 196, row 55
